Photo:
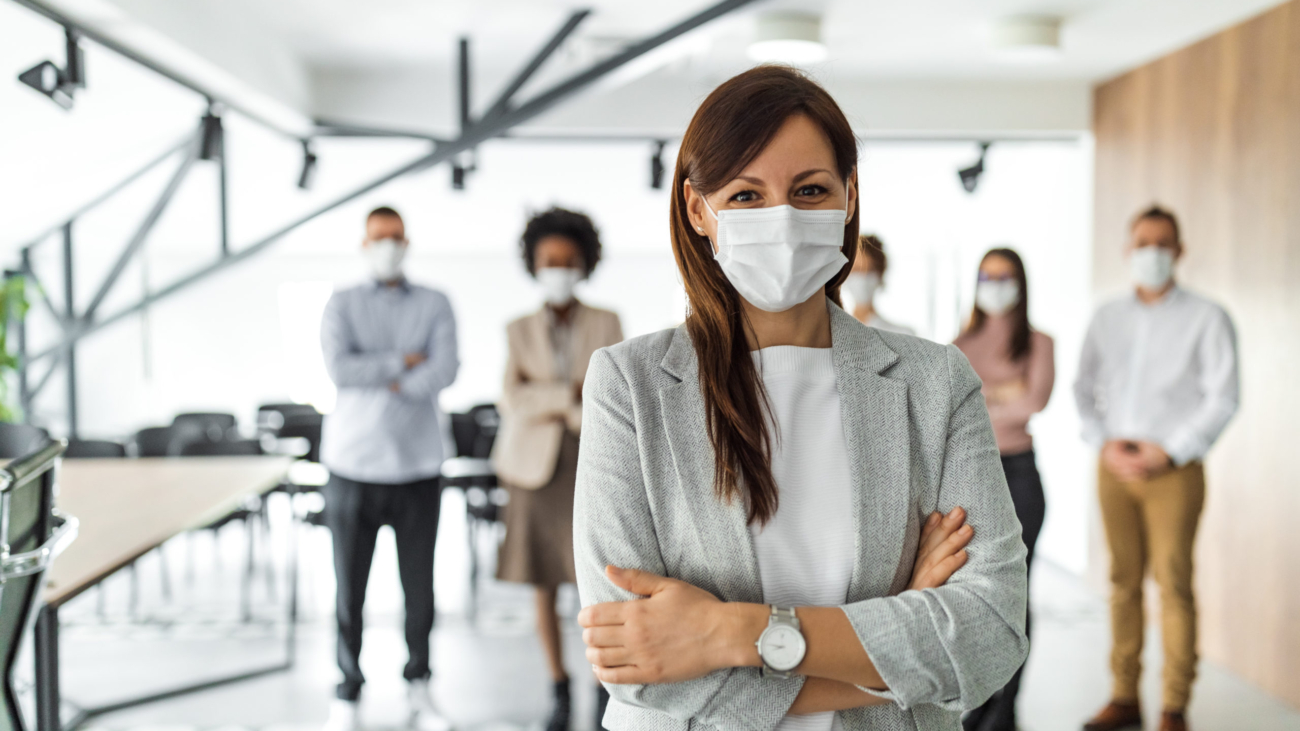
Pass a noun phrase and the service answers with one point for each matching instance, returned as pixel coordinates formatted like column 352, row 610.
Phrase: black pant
column 354, row 512
column 999, row 712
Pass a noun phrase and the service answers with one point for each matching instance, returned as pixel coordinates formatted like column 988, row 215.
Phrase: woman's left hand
column 678, row 632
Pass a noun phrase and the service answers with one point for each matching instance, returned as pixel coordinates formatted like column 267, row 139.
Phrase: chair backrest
column 464, row 432
column 216, row 426
column 234, row 448
column 30, row 534
column 271, row 417
column 303, row 425
column 487, row 419
column 17, row 440
column 93, row 448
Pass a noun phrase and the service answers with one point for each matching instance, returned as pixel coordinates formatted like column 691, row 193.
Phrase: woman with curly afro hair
column 536, row 453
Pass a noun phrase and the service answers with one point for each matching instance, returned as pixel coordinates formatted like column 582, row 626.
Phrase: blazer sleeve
column 528, row 400
column 955, row 645
column 613, row 525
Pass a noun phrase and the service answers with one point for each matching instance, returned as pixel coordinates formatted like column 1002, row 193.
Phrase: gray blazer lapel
column 874, row 412
column 722, row 526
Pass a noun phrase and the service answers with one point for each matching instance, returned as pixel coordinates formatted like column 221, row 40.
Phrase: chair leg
column 247, row 590
column 101, row 608
column 268, row 555
column 134, row 606
column 472, row 532
column 165, row 570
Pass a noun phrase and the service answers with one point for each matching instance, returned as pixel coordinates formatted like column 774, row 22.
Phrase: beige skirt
column 538, row 548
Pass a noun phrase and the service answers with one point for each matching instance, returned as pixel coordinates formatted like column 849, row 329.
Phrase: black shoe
column 602, row 701
column 560, row 713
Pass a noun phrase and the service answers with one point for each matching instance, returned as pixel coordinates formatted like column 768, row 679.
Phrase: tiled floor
column 490, row 675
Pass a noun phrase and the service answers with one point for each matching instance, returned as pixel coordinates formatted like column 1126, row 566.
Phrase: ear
column 699, row 219
column 851, row 192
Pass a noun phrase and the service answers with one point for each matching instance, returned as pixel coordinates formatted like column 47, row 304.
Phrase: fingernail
column 966, row 530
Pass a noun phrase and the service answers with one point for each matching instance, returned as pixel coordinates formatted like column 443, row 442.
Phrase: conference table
column 126, row 508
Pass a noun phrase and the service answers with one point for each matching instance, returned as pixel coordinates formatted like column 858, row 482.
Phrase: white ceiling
column 875, row 38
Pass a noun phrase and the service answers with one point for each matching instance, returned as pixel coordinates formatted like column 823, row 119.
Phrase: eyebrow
column 797, row 178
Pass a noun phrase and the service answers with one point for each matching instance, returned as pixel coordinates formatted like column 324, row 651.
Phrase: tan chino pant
column 1152, row 524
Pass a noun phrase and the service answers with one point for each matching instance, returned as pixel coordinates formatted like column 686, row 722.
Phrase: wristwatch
column 781, row 647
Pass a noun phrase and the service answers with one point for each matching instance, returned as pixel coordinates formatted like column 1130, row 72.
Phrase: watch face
column 782, row 647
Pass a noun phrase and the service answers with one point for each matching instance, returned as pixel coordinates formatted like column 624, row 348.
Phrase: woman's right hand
column 942, row 549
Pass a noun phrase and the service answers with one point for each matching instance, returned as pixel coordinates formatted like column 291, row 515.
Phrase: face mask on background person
column 1151, row 267
column 778, row 257
column 862, row 286
column 558, row 284
column 385, row 258
column 997, row 297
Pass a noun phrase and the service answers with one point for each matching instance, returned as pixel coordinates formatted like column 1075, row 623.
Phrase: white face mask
column 385, row 258
column 862, row 286
column 1151, row 267
column 996, row 298
column 558, row 284
column 778, row 257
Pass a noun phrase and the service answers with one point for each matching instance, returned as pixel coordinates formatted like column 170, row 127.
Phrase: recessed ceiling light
column 1028, row 38
column 793, row 38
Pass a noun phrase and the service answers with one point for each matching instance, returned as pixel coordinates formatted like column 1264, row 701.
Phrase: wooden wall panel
column 1213, row 131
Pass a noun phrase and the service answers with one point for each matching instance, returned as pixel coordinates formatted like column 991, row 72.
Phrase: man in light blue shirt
column 390, row 348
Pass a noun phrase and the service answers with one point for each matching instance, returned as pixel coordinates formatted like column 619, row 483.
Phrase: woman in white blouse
column 757, row 522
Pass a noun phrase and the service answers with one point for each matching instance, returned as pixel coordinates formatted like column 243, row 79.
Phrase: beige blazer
column 537, row 403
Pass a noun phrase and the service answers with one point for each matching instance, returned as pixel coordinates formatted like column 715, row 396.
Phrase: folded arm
column 346, row 365
column 1216, row 354
column 442, row 360
column 1038, row 385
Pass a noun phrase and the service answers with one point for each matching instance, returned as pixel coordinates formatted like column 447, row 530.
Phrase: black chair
column 272, row 417
column 474, row 433
column 94, row 449
column 165, row 441
column 238, row 448
column 35, row 534
column 17, row 440
column 215, row 426
column 302, row 425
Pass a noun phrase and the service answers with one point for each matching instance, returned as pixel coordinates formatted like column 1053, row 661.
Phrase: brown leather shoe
column 1173, row 721
column 1116, row 716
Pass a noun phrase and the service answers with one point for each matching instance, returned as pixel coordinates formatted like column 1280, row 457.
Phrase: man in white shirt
column 1157, row 385
column 390, row 348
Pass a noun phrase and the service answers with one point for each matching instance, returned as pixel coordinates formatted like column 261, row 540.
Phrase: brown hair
column 874, row 249
column 1158, row 213
column 731, row 128
column 384, row 211
column 1021, row 332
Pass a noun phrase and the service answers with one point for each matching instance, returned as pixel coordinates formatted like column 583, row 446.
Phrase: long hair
column 729, row 130
column 1020, row 330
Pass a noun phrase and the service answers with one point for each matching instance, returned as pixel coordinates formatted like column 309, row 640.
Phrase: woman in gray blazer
column 750, row 526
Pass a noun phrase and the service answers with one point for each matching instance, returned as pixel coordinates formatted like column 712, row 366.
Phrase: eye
column 744, row 196
column 810, row 191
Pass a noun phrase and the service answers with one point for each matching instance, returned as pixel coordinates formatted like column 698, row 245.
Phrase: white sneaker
column 424, row 713
column 344, row 716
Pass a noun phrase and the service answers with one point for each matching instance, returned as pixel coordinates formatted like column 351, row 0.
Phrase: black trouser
column 999, row 712
column 354, row 512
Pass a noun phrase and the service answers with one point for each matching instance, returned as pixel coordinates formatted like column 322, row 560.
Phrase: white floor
column 489, row 675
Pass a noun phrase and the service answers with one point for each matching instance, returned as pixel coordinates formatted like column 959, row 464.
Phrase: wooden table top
column 127, row 507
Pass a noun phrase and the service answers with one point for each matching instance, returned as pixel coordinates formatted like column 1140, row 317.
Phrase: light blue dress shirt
column 376, row 434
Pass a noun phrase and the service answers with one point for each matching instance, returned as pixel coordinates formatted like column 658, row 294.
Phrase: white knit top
column 805, row 552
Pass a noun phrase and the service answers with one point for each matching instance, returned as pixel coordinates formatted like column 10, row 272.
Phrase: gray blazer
column 919, row 440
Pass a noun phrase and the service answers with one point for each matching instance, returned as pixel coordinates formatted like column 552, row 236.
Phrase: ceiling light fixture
column 212, row 146
column 970, row 177
column 59, row 84
column 791, row 38
column 308, row 174
column 1028, row 38
column 657, row 166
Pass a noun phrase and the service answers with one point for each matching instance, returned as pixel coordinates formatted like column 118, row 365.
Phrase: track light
column 970, row 177
column 59, row 83
column 461, row 166
column 657, row 166
column 214, row 143
column 308, row 174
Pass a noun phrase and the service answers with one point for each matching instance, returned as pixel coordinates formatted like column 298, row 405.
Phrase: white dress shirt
column 806, row 551
column 376, row 434
column 1164, row 372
